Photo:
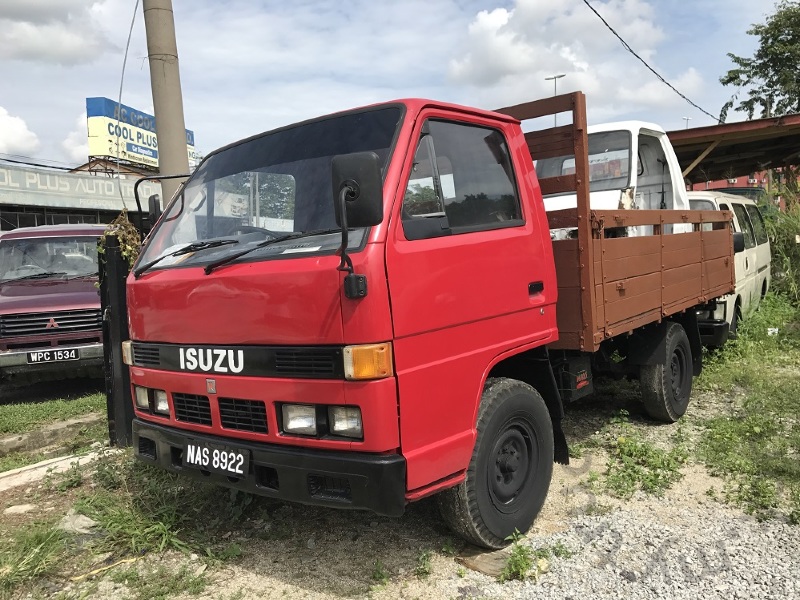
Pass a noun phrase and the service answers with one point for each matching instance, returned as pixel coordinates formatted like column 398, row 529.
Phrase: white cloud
column 508, row 53
column 15, row 137
column 76, row 145
column 54, row 31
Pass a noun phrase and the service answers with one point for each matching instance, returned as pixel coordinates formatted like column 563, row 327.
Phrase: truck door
column 748, row 259
column 470, row 275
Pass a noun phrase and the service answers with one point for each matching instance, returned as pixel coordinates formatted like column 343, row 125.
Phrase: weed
column 229, row 552
column 424, row 566
column 69, row 479
column 794, row 506
column 520, row 559
column 635, row 464
column 561, row 551
column 161, row 582
column 758, row 496
column 597, row 509
column 379, row 573
column 30, row 554
column 577, row 450
column 448, row 548
column 461, row 572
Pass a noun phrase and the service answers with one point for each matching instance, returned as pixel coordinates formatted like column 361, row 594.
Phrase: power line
column 644, row 62
column 119, row 99
column 33, row 164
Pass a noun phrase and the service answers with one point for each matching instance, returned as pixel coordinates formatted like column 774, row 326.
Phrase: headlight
column 127, row 352
column 345, row 421
column 299, row 419
column 161, row 403
column 370, row 361
column 142, row 396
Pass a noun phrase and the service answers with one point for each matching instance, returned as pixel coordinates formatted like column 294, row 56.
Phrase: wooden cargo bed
column 609, row 286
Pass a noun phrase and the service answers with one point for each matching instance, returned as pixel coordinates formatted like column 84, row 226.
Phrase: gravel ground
column 683, row 545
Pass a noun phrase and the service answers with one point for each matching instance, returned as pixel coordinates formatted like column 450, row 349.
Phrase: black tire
column 666, row 388
column 509, row 474
column 733, row 330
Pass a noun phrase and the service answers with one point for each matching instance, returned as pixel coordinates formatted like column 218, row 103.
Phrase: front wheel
column 666, row 387
column 509, row 474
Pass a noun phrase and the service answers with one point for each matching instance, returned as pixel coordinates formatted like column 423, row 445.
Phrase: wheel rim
column 679, row 366
column 510, row 469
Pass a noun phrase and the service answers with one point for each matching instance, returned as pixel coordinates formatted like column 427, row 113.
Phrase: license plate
column 216, row 459
column 50, row 356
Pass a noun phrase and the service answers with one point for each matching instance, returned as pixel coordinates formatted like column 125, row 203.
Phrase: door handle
column 535, row 287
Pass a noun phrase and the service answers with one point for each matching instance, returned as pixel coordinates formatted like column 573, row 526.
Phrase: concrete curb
column 51, row 434
column 33, row 473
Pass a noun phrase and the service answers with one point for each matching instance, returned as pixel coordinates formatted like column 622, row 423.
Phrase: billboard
column 110, row 123
column 27, row 186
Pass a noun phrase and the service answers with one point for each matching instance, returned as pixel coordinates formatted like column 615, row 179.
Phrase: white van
column 752, row 265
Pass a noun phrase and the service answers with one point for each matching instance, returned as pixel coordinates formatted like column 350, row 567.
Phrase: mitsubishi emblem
column 51, row 324
column 211, row 386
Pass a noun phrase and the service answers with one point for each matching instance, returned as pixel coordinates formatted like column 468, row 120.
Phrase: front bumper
column 336, row 479
column 13, row 362
column 713, row 332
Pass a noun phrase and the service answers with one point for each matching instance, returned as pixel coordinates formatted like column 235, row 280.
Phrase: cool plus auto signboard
column 111, row 123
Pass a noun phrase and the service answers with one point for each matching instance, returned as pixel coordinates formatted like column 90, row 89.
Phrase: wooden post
column 119, row 403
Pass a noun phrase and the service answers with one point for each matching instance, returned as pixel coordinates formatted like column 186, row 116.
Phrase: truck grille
column 244, row 415
column 192, row 409
column 67, row 321
column 146, row 355
column 305, row 363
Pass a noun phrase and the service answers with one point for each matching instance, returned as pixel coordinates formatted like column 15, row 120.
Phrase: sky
column 248, row 66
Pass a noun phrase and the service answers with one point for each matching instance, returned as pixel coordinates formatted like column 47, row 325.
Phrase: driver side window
column 461, row 181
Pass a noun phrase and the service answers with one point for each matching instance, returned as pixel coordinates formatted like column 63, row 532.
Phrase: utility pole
column 555, row 79
column 165, row 80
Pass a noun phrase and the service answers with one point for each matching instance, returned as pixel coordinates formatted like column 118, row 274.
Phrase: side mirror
column 359, row 176
column 738, row 242
column 153, row 209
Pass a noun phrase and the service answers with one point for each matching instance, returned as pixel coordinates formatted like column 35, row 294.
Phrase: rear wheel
column 666, row 387
column 510, row 470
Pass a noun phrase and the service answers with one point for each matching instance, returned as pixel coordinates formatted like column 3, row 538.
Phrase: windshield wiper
column 193, row 247
column 291, row 236
column 44, row 275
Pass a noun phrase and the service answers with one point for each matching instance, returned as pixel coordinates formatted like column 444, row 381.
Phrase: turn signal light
column 127, row 352
column 370, row 361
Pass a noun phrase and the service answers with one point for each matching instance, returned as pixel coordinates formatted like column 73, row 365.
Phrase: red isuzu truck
column 365, row 309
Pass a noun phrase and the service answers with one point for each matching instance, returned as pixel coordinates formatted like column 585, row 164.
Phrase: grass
column 30, row 553
column 755, row 444
column 15, row 460
column 22, row 418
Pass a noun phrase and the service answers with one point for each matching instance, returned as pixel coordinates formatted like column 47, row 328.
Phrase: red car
column 50, row 321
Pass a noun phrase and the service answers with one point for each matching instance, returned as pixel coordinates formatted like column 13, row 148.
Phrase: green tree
column 771, row 78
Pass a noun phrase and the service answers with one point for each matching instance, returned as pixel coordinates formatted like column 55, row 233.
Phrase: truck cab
column 631, row 166
column 50, row 324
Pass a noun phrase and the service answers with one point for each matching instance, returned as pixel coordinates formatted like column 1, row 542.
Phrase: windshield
column 43, row 257
column 269, row 186
column 609, row 162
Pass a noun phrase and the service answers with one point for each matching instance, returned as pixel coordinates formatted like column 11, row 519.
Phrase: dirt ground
column 294, row 551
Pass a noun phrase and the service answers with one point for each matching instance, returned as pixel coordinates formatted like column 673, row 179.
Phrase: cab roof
column 74, row 229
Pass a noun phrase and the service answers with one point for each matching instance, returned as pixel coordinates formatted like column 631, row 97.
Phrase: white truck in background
column 631, row 166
